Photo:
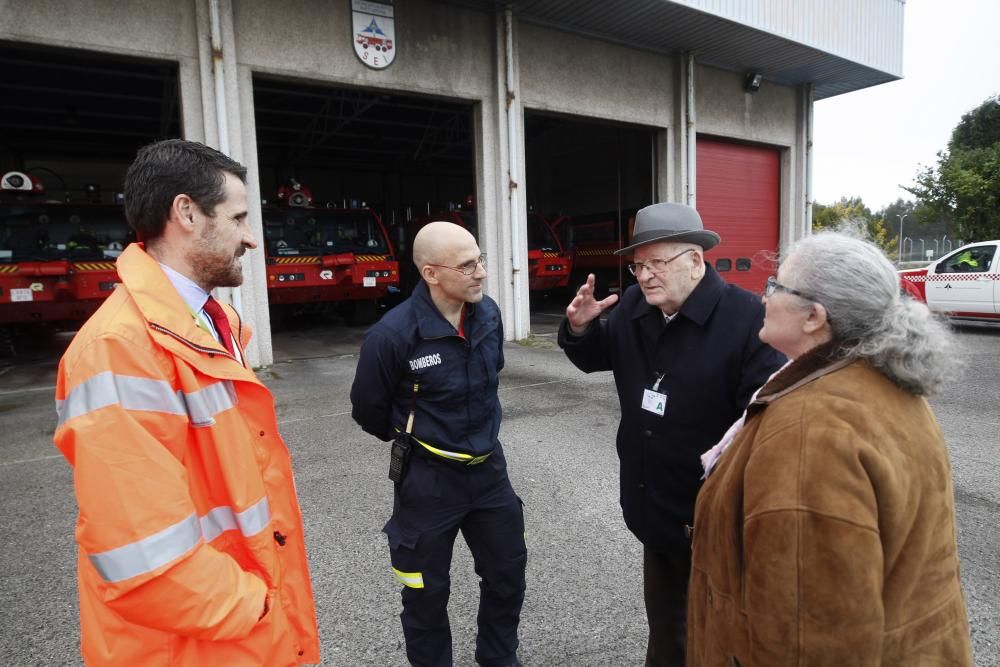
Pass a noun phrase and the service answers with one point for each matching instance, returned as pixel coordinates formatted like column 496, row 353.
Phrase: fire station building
column 587, row 109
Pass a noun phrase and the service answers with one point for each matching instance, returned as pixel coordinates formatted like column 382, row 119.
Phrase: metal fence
column 927, row 249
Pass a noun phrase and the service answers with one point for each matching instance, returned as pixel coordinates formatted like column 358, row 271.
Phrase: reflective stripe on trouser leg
column 425, row 608
column 409, row 579
column 421, row 535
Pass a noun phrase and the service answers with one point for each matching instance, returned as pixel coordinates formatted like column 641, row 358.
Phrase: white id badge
column 654, row 401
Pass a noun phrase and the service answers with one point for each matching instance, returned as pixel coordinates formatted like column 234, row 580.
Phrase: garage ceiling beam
column 262, row 91
column 55, row 129
column 37, row 148
column 447, row 134
column 362, row 147
column 341, row 120
column 80, row 92
column 24, row 64
column 351, row 159
column 363, row 121
column 81, row 114
column 347, row 150
column 362, row 138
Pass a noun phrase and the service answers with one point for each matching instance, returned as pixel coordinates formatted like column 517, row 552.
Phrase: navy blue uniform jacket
column 711, row 360
column 457, row 407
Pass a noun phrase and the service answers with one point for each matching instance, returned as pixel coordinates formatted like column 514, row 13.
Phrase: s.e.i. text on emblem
column 374, row 32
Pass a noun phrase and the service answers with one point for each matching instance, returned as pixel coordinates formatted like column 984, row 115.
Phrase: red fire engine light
column 295, row 194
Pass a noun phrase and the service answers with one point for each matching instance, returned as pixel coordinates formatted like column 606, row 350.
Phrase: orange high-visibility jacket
column 188, row 511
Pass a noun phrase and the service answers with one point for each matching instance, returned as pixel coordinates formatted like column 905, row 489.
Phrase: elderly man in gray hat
column 686, row 358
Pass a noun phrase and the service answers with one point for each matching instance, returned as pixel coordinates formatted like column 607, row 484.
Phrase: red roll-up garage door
column 738, row 189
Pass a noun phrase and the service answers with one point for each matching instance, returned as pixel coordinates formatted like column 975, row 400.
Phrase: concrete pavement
column 584, row 601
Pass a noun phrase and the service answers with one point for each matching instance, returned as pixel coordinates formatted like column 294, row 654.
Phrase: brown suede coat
column 825, row 535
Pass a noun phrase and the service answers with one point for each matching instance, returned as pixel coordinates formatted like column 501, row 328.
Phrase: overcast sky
column 870, row 141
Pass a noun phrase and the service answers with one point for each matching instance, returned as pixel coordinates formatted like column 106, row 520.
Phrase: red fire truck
column 378, row 43
column 328, row 256
column 592, row 241
column 57, row 259
column 549, row 264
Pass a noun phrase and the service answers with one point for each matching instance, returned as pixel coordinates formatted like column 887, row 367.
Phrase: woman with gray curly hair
column 825, row 530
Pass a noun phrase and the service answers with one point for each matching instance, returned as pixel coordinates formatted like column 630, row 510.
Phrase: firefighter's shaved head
column 451, row 265
column 441, row 243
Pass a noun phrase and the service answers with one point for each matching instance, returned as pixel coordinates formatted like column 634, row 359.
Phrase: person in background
column 430, row 368
column 686, row 358
column 191, row 547
column 825, row 531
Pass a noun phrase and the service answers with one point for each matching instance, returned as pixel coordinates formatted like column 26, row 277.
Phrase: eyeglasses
column 773, row 286
column 654, row 265
column 466, row 269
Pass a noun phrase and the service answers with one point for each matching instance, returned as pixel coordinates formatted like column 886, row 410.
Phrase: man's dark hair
column 165, row 169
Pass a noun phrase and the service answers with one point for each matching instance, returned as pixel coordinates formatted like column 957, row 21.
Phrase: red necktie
column 221, row 322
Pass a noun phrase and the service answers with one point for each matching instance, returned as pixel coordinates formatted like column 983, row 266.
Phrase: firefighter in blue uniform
column 437, row 356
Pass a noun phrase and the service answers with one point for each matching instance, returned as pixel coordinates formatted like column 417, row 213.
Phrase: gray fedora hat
column 675, row 223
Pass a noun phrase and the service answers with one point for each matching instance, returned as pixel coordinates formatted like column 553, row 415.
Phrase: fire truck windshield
column 306, row 231
column 540, row 236
column 55, row 231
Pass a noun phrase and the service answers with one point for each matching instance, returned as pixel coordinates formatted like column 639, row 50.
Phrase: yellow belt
column 457, row 457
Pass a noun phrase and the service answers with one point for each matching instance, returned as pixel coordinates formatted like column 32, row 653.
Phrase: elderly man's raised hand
column 584, row 308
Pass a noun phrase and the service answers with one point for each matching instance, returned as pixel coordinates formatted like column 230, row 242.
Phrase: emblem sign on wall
column 374, row 32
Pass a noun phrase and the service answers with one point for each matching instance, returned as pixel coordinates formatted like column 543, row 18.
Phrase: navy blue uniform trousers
column 435, row 500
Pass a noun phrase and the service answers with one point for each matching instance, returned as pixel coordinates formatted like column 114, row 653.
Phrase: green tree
column 852, row 214
column 964, row 185
column 834, row 215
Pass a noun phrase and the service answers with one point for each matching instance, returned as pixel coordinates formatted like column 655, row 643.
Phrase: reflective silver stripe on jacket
column 145, row 555
column 149, row 553
column 147, row 395
column 204, row 404
column 250, row 521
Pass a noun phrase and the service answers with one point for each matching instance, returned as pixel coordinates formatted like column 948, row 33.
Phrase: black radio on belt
column 399, row 454
column 398, row 457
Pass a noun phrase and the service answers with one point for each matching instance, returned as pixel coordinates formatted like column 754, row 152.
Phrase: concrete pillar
column 208, row 132
column 234, row 100
column 679, row 133
column 808, row 98
column 192, row 109
column 788, row 196
column 254, row 288
column 512, row 230
column 691, row 132
column 490, row 201
column 796, row 204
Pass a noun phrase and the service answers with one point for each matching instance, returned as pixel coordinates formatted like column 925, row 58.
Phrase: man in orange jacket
column 191, row 547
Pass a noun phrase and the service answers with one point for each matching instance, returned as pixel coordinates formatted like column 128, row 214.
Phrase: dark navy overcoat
column 711, row 361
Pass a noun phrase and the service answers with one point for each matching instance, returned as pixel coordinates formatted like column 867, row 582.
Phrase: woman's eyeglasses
column 773, row 286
